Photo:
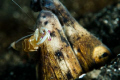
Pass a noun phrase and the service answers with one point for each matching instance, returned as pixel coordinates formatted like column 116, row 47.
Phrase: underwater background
column 100, row 17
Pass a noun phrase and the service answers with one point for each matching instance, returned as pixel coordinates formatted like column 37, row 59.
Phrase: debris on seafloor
column 110, row 71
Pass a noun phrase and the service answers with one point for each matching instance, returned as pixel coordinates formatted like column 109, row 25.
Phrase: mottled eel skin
column 59, row 60
column 90, row 51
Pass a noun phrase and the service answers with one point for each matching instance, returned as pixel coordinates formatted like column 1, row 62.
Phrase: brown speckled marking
column 67, row 56
column 59, row 54
column 46, row 22
column 69, row 76
column 52, row 34
column 78, row 38
column 63, row 39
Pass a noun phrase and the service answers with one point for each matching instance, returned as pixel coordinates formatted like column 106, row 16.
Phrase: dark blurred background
column 14, row 24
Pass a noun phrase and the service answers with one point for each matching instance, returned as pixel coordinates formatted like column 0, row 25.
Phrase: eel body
column 90, row 51
column 72, row 49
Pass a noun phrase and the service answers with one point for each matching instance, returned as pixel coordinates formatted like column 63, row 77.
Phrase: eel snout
column 101, row 54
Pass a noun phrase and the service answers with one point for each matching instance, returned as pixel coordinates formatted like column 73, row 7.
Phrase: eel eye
column 104, row 54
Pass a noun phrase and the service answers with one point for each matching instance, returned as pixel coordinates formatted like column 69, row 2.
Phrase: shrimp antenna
column 23, row 38
column 13, row 43
column 22, row 9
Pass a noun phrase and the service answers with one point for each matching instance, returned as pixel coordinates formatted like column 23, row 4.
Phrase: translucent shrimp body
column 39, row 36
